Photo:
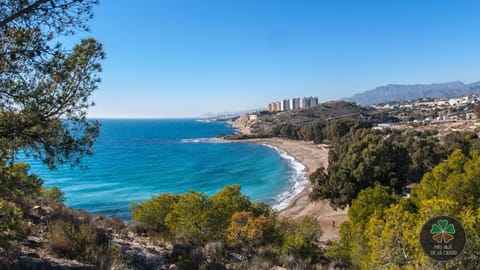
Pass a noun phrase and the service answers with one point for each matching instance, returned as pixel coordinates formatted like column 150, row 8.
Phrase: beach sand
column 313, row 156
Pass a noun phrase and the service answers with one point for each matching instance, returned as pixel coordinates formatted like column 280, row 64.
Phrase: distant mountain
column 397, row 92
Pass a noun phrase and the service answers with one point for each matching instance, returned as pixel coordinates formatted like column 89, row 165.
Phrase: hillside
column 395, row 92
column 328, row 110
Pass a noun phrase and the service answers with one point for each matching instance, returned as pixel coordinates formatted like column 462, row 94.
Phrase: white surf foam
column 204, row 140
column 297, row 178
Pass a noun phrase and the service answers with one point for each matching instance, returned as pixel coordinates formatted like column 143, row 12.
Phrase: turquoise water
column 135, row 159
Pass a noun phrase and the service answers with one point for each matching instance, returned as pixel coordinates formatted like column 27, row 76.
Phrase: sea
column 134, row 160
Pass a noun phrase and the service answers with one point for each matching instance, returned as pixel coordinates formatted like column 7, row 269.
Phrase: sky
column 184, row 58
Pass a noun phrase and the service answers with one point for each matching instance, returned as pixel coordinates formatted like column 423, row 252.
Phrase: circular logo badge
column 443, row 238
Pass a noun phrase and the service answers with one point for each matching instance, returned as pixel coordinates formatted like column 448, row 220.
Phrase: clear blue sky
column 182, row 58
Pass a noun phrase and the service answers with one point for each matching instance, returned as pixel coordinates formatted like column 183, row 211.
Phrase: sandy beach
column 312, row 156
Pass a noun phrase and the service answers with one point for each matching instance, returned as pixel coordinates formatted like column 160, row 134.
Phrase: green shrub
column 54, row 194
column 152, row 213
column 10, row 224
column 16, row 182
column 301, row 239
column 189, row 218
column 84, row 243
column 194, row 216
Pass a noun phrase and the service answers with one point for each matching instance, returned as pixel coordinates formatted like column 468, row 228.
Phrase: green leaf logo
column 442, row 231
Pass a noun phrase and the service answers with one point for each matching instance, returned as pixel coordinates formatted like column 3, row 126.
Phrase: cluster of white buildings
column 439, row 102
column 292, row 104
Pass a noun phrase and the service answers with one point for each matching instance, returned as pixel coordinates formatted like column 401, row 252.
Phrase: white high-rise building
column 285, row 105
column 292, row 104
column 302, row 103
column 296, row 103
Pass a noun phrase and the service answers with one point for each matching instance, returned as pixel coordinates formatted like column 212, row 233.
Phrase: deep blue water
column 135, row 159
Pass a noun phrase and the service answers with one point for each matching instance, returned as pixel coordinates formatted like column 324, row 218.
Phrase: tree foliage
column 299, row 239
column 320, row 130
column 45, row 90
column 369, row 160
column 229, row 218
column 194, row 216
column 388, row 238
column 371, row 201
column 16, row 182
column 247, row 229
column 45, row 87
column 152, row 213
column 10, row 221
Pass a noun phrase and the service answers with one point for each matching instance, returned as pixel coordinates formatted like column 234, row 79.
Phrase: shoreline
column 312, row 157
column 299, row 182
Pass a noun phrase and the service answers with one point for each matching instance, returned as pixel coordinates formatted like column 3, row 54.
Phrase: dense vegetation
column 383, row 228
column 368, row 170
column 361, row 157
column 208, row 230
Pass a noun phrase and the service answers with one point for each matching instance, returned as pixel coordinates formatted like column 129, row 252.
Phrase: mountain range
column 399, row 92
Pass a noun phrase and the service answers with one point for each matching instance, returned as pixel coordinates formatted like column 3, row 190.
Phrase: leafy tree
column 301, row 239
column 223, row 205
column 392, row 240
column 388, row 238
column 259, row 208
column 288, row 131
column 371, row 201
column 457, row 180
column 313, row 132
column 190, row 218
column 194, row 216
column 337, row 129
column 152, row 213
column 460, row 140
column 424, row 151
column 249, row 230
column 54, row 194
column 15, row 182
column 341, row 251
column 10, row 221
column 44, row 86
column 369, row 161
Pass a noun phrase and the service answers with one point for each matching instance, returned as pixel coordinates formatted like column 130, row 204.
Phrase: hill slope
column 396, row 92
column 328, row 110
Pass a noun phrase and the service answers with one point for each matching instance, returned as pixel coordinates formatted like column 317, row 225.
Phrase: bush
column 202, row 225
column 16, row 182
column 194, row 216
column 301, row 239
column 152, row 213
column 10, row 224
column 54, row 194
column 249, row 230
column 84, row 243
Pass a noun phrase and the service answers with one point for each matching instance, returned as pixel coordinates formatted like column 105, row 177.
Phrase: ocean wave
column 204, row 140
column 297, row 178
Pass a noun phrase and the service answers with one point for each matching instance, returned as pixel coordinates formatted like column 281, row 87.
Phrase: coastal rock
column 34, row 262
column 244, row 124
column 144, row 256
